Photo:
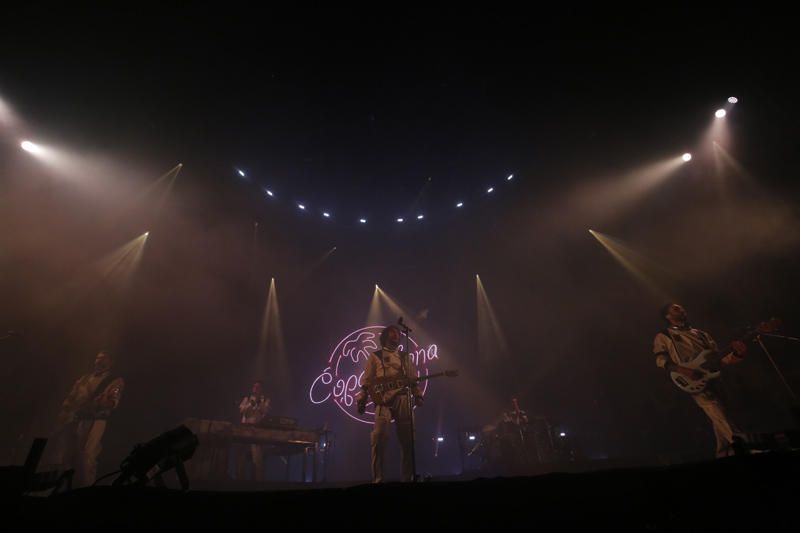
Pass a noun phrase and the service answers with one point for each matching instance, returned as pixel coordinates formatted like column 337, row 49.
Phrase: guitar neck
column 429, row 376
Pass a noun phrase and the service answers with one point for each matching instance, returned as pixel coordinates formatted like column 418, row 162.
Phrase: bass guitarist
column 676, row 347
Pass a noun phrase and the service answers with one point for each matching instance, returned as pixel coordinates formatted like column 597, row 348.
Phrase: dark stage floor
column 758, row 491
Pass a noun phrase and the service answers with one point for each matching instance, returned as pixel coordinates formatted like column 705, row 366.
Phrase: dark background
column 381, row 113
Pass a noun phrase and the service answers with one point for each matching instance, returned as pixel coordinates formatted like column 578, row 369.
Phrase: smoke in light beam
column 271, row 357
column 635, row 264
column 491, row 339
column 120, row 265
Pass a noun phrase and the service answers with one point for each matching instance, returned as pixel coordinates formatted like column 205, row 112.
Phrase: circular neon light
column 340, row 381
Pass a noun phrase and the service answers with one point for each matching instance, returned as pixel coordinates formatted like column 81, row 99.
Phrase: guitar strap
column 666, row 332
column 706, row 340
column 379, row 355
column 101, row 387
column 703, row 336
column 403, row 359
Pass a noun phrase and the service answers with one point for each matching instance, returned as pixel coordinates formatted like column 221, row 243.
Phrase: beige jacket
column 384, row 363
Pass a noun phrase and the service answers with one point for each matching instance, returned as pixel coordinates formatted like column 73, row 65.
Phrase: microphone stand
column 406, row 331
column 795, row 409
column 784, row 337
column 760, row 342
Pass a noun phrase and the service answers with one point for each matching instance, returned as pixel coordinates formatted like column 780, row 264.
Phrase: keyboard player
column 252, row 409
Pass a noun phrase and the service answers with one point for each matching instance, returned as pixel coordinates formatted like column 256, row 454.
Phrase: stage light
column 374, row 313
column 399, row 219
column 439, row 439
column 733, row 99
column 362, row 220
column 148, row 461
column 120, row 265
column 460, row 204
column 7, row 117
column 19, row 480
column 31, row 147
column 472, row 437
column 510, row 177
column 269, row 192
column 326, row 215
column 720, row 113
column 562, row 434
column 301, row 206
column 687, row 156
column 241, row 173
column 420, row 217
column 490, row 189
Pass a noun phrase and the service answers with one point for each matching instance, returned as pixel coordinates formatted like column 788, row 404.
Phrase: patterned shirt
column 78, row 403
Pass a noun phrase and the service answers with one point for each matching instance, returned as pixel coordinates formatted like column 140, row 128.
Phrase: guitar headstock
column 451, row 373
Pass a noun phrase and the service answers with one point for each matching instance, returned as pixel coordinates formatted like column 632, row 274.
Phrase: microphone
column 403, row 325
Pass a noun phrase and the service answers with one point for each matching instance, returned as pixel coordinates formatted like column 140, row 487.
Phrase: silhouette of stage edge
column 759, row 490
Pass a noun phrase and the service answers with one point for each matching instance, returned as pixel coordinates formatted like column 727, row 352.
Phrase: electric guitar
column 382, row 387
column 92, row 408
column 708, row 362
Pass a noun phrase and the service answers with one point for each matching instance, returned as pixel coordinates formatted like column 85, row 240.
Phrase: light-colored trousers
column 81, row 444
column 723, row 431
column 399, row 411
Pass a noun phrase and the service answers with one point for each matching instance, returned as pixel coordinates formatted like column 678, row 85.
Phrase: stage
column 725, row 494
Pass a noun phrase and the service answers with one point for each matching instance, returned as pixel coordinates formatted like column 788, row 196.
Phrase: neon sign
column 341, row 380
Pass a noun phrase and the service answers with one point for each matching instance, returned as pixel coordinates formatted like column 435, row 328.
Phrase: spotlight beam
column 397, row 308
column 374, row 315
column 119, row 266
column 612, row 196
column 634, row 263
column 271, row 354
column 491, row 339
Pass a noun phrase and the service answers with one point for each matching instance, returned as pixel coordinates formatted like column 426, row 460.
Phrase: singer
column 253, row 408
column 389, row 361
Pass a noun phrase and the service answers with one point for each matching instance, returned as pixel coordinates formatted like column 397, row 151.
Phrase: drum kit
column 515, row 446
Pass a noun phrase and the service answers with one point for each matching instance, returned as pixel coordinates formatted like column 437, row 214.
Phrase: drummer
column 515, row 415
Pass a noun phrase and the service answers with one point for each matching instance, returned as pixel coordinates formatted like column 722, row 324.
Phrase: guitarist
column 389, row 361
column 84, row 415
column 680, row 343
